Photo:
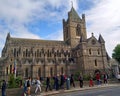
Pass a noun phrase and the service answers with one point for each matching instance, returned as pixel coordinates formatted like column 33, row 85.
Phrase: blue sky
column 42, row 19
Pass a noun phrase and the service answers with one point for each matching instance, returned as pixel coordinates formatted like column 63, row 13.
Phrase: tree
column 116, row 53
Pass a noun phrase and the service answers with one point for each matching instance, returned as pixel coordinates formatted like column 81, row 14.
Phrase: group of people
column 99, row 78
column 28, row 84
column 56, row 82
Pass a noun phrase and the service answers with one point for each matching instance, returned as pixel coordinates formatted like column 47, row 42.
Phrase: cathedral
column 36, row 57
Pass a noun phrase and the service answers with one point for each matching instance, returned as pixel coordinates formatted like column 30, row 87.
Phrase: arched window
column 26, row 72
column 23, row 53
column 78, row 30
column 14, row 52
column 62, row 71
column 51, row 72
column 11, row 69
column 40, row 54
column 7, row 71
column 37, row 52
column 39, row 72
column 90, row 51
column 26, row 52
column 95, row 62
column 98, row 52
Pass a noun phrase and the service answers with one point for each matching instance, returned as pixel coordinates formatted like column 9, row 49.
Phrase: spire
column 92, row 34
column 101, row 40
column 8, row 35
column 73, row 14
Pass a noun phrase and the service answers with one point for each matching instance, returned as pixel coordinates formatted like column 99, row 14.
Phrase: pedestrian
column 80, row 81
column 91, row 84
column 62, row 80
column 98, row 78
column 48, row 84
column 38, row 85
column 56, row 83
column 72, row 80
column 4, row 88
column 105, row 77
column 29, row 86
column 25, row 88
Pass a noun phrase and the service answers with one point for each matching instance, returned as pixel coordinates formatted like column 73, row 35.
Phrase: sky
column 42, row 19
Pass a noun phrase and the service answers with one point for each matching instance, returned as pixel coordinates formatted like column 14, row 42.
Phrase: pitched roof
column 23, row 41
column 74, row 14
column 101, row 40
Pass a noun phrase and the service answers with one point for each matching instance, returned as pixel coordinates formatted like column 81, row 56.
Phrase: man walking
column 105, row 78
column 29, row 86
column 48, row 84
column 62, row 80
column 72, row 80
column 81, row 81
column 4, row 88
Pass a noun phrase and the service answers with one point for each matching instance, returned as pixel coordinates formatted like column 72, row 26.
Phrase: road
column 109, row 91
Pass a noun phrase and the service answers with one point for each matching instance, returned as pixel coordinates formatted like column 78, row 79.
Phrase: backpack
column 28, row 83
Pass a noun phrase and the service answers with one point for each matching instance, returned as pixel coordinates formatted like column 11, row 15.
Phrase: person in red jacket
column 91, row 82
column 98, row 78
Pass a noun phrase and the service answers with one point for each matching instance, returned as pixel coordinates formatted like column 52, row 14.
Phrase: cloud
column 15, row 15
column 103, row 19
column 55, row 36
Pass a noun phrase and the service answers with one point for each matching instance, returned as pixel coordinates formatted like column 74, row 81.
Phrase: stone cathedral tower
column 73, row 28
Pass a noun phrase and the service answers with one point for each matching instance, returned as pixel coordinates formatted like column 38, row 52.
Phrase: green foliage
column 76, row 76
column 13, row 82
column 116, row 53
column 86, row 77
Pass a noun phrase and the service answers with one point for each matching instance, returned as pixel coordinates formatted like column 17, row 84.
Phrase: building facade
column 76, row 53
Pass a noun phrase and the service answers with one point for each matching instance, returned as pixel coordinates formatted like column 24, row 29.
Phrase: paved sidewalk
column 50, row 93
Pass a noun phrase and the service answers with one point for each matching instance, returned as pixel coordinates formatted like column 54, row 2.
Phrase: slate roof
column 74, row 14
column 21, row 41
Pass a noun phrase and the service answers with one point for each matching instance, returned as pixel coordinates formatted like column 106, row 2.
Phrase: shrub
column 13, row 82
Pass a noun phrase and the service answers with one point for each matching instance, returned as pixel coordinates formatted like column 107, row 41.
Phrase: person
column 62, row 80
column 29, row 86
column 81, row 81
column 48, row 84
column 105, row 76
column 4, row 88
column 25, row 88
column 72, row 80
column 98, row 78
column 38, row 85
column 56, row 83
column 91, row 83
